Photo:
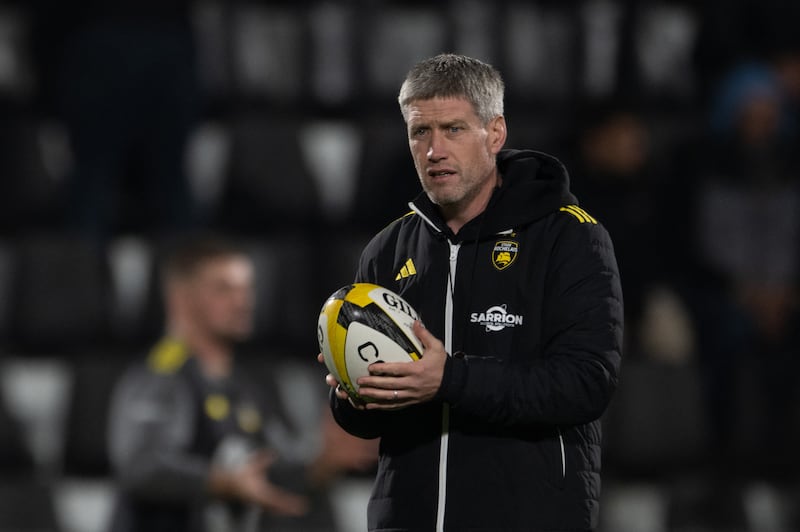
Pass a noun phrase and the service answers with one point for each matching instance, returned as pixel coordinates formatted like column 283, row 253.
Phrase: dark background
column 124, row 125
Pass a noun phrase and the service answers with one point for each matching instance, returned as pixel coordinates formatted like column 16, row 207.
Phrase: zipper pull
column 453, row 252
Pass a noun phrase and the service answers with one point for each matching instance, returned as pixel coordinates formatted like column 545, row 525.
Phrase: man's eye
column 419, row 132
column 455, row 129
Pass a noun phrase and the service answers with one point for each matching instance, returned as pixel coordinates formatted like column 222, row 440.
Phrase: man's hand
column 400, row 384
column 249, row 483
column 331, row 381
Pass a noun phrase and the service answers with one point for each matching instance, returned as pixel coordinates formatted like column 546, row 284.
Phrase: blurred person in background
column 616, row 172
column 746, row 232
column 122, row 77
column 749, row 231
column 193, row 435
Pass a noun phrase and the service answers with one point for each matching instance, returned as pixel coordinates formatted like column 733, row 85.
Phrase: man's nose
column 436, row 148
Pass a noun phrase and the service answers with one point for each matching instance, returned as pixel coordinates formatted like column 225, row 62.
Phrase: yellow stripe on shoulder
column 581, row 215
column 167, row 357
column 406, row 215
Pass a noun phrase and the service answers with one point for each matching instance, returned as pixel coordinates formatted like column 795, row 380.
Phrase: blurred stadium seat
column 269, row 184
column 26, row 505
column 26, row 493
column 655, row 426
column 35, row 391
column 61, row 297
column 84, row 490
column 287, row 303
column 387, row 180
column 7, row 267
column 15, row 455
column 85, row 453
column 400, row 36
column 135, row 310
column 331, row 150
column 268, row 52
column 33, row 155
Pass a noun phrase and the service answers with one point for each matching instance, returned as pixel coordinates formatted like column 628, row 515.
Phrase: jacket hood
column 534, row 185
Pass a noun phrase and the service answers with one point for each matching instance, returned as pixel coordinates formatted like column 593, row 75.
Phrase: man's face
column 219, row 298
column 454, row 153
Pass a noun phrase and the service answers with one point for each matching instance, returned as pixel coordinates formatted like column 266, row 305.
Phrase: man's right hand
column 249, row 483
column 341, row 394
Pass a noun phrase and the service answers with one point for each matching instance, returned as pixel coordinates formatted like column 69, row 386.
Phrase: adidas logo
column 407, row 270
column 582, row 216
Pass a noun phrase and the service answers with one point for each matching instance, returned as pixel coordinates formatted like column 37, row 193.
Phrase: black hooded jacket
column 527, row 300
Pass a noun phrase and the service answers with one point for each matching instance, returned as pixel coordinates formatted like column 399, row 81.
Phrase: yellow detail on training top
column 217, row 406
column 407, row 270
column 249, row 419
column 168, row 356
column 581, row 215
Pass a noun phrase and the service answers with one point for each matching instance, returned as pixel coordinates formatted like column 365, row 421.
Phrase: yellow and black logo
column 217, row 406
column 504, row 253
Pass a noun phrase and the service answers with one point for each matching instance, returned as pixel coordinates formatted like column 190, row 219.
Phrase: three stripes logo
column 582, row 216
column 407, row 270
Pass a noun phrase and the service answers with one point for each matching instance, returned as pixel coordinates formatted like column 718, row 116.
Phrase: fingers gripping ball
column 361, row 324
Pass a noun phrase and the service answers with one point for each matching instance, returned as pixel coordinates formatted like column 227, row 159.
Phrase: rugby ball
column 361, row 324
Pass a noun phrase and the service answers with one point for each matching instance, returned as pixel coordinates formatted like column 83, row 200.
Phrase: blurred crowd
column 127, row 124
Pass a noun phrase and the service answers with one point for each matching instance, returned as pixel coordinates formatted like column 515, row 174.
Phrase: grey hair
column 452, row 75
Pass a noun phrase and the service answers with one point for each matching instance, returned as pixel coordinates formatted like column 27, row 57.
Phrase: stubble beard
column 453, row 198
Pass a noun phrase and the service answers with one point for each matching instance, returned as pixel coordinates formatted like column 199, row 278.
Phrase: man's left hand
column 400, row 384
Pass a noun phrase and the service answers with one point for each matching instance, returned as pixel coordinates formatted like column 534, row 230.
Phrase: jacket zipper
column 563, row 454
column 448, row 346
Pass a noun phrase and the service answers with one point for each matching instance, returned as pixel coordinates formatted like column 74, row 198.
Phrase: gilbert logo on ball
column 361, row 324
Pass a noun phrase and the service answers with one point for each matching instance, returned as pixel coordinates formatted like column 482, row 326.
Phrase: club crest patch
column 504, row 253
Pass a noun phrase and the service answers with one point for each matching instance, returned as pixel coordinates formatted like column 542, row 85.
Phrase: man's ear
column 497, row 133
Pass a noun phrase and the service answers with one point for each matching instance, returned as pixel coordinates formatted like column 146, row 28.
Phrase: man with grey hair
column 497, row 426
